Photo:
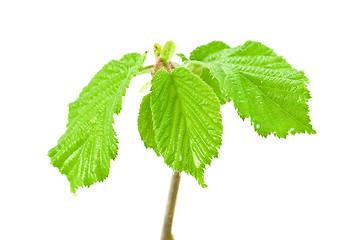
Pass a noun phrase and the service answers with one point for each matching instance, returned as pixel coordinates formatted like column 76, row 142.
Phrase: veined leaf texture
column 187, row 121
column 83, row 153
column 180, row 118
column 262, row 86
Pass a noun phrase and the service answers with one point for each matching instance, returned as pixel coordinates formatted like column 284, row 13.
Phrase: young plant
column 180, row 118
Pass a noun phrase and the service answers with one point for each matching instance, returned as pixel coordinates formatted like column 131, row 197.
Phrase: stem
column 145, row 70
column 170, row 207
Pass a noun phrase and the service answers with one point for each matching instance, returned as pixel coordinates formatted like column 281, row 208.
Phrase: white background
column 304, row 187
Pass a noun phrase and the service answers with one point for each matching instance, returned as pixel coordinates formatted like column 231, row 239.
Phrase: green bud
column 168, row 51
column 157, row 50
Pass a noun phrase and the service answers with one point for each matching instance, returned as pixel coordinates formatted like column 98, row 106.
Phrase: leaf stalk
column 145, row 70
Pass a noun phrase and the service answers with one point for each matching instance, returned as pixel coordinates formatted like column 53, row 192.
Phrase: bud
column 167, row 51
column 157, row 50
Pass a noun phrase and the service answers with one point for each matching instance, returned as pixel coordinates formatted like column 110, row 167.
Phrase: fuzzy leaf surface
column 204, row 52
column 187, row 121
column 264, row 87
column 213, row 82
column 83, row 153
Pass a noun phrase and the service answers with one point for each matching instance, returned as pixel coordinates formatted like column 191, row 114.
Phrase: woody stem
column 170, row 207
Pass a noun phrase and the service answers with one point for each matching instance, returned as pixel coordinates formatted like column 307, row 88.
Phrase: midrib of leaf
column 108, row 110
column 200, row 122
column 108, row 120
column 185, row 129
column 195, row 116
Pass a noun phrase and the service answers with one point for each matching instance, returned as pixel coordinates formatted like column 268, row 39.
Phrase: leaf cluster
column 180, row 118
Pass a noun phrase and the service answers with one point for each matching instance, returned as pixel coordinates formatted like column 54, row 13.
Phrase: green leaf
column 83, row 153
column 214, row 84
column 145, row 124
column 187, row 121
column 183, row 58
column 204, row 51
column 264, row 87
